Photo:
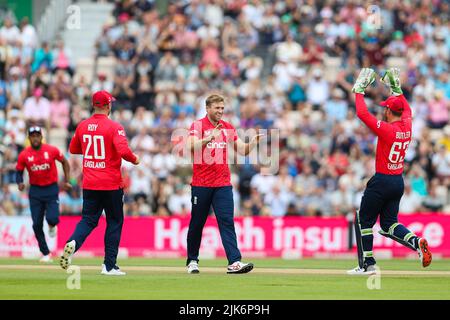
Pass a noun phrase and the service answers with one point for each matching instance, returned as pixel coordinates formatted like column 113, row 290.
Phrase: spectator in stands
column 439, row 111
column 180, row 201
column 317, row 90
column 62, row 58
column 411, row 201
column 15, row 128
column 262, row 55
column 102, row 83
column 433, row 202
column 36, row 109
column 59, row 110
column 9, row 31
column 278, row 201
column 42, row 56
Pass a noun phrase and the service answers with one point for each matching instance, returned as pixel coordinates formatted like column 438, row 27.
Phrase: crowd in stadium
column 287, row 65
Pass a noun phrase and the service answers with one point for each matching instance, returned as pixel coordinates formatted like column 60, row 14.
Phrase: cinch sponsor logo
column 95, row 165
column 216, row 145
column 395, row 166
column 40, row 167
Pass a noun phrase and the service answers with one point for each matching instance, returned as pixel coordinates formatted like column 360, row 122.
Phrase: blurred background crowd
column 286, row 65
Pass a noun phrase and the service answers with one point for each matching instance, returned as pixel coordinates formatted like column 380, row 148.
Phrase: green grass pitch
column 311, row 279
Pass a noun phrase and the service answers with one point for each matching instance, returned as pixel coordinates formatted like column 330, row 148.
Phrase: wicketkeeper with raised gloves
column 385, row 189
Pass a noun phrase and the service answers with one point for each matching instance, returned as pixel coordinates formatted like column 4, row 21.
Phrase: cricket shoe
column 424, row 253
column 193, row 267
column 52, row 231
column 240, row 267
column 367, row 270
column 113, row 272
column 46, row 259
column 66, row 258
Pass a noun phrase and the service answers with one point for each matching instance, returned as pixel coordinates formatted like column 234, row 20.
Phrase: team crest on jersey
column 31, row 159
column 208, row 132
column 46, row 155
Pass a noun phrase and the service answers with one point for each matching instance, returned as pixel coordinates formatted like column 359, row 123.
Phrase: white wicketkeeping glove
column 365, row 78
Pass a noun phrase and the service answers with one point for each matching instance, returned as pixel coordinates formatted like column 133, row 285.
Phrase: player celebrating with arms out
column 385, row 189
column 103, row 144
column 39, row 160
column 211, row 183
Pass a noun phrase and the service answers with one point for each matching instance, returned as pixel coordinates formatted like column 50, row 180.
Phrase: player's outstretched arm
column 66, row 170
column 121, row 145
column 365, row 78
column 20, row 167
column 19, row 180
column 245, row 148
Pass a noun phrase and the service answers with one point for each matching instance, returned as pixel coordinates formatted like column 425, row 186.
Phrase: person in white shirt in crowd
column 278, row 201
column 180, row 201
column 28, row 34
column 102, row 83
column 17, row 87
column 9, row 31
column 263, row 181
column 15, row 128
column 37, row 108
column 141, row 182
column 289, row 50
column 143, row 141
column 164, row 162
column 411, row 201
column 318, row 90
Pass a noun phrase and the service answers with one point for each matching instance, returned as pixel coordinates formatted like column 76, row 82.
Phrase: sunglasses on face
column 34, row 130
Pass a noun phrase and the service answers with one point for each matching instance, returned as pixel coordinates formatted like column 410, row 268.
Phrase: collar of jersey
column 99, row 115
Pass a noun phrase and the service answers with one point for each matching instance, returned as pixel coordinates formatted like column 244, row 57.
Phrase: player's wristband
column 19, row 177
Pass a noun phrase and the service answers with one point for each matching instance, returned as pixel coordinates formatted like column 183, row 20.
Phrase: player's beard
column 385, row 116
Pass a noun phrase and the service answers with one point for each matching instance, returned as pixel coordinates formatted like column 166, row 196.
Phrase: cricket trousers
column 43, row 203
column 221, row 200
column 94, row 202
column 382, row 198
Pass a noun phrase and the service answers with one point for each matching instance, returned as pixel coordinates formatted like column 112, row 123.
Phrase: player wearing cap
column 211, row 184
column 103, row 144
column 385, row 189
column 39, row 160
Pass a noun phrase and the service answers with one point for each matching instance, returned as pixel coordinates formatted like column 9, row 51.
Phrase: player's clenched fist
column 137, row 160
column 365, row 78
column 216, row 132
